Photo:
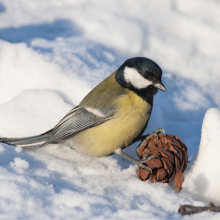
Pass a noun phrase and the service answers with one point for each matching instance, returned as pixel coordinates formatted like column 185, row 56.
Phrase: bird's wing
column 81, row 118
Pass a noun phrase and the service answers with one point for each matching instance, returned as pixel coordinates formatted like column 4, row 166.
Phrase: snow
column 202, row 181
column 52, row 53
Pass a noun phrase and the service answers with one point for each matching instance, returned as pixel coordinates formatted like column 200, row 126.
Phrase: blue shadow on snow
column 2, row 7
column 49, row 31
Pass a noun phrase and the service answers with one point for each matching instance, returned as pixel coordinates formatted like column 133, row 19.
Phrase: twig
column 189, row 209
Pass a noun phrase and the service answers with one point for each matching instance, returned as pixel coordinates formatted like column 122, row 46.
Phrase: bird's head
column 140, row 73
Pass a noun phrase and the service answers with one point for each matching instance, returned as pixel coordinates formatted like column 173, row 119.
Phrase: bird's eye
column 146, row 76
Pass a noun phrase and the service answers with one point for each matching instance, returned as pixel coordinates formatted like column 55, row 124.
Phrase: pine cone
column 171, row 162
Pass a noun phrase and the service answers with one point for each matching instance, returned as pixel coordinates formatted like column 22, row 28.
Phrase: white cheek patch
column 134, row 78
column 95, row 112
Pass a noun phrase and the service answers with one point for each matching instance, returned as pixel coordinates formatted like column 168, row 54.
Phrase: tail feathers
column 27, row 142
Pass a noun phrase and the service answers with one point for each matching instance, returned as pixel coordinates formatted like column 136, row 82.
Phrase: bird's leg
column 139, row 163
column 144, row 138
column 155, row 133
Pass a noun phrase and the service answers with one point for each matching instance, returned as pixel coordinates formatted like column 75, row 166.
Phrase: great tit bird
column 110, row 117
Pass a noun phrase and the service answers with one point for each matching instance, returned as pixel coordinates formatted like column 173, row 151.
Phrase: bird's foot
column 153, row 134
column 144, row 138
column 144, row 160
column 139, row 163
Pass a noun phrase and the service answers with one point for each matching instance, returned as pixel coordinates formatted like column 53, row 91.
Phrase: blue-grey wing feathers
column 33, row 141
column 78, row 119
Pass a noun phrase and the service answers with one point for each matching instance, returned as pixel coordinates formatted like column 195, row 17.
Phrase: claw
column 146, row 167
column 144, row 138
column 146, row 158
column 155, row 133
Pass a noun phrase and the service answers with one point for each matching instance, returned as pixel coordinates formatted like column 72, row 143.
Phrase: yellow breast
column 128, row 122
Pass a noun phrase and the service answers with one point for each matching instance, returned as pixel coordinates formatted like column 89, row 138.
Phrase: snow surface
column 52, row 53
column 204, row 177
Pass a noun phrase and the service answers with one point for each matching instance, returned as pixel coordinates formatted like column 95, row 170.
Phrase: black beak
column 160, row 86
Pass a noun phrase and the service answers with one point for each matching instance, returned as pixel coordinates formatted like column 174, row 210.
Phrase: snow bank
column 26, row 69
column 32, row 112
column 203, row 179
